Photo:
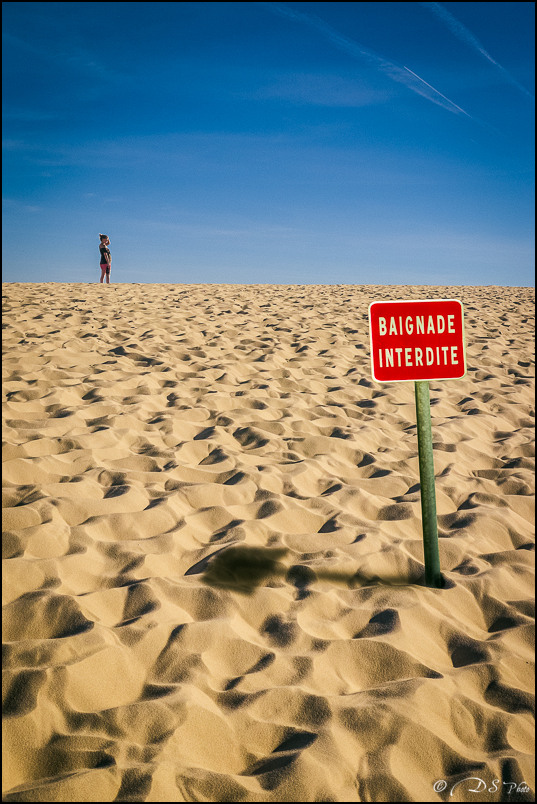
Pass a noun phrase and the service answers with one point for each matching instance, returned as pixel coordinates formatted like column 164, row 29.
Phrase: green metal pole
column 433, row 576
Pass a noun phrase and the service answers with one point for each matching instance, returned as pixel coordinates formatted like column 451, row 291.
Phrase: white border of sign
column 416, row 301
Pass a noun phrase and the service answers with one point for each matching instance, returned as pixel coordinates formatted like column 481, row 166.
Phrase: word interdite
column 417, row 340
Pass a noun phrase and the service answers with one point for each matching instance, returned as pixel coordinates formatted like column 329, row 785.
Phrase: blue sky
column 288, row 143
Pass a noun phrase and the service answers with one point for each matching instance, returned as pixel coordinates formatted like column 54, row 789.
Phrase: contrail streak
column 393, row 71
column 461, row 32
column 439, row 93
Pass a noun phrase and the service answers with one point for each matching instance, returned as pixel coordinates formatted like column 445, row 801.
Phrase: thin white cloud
column 19, row 206
column 254, row 229
column 320, row 89
column 400, row 74
column 68, row 56
column 461, row 32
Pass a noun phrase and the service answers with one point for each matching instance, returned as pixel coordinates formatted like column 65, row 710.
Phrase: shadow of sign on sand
column 243, row 569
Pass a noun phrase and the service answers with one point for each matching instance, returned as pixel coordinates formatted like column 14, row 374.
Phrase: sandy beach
column 213, row 559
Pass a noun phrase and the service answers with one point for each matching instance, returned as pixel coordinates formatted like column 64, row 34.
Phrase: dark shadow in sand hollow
column 243, row 569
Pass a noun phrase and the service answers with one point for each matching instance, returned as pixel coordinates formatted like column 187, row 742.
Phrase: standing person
column 106, row 258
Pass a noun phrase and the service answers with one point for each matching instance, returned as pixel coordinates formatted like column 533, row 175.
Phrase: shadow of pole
column 243, row 569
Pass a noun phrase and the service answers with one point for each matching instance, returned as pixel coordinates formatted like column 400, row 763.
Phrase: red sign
column 417, row 340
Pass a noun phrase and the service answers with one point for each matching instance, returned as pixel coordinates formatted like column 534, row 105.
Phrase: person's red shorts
column 105, row 266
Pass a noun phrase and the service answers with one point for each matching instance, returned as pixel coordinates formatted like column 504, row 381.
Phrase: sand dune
column 213, row 558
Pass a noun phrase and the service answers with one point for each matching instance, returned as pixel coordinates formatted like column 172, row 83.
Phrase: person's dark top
column 105, row 255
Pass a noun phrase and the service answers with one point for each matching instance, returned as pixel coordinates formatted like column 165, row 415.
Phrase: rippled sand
column 212, row 553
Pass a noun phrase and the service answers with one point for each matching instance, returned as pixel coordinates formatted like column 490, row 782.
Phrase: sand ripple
column 212, row 553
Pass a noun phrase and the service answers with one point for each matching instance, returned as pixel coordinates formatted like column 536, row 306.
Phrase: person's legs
column 108, row 275
column 103, row 269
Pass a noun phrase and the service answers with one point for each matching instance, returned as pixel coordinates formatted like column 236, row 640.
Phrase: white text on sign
column 417, row 340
